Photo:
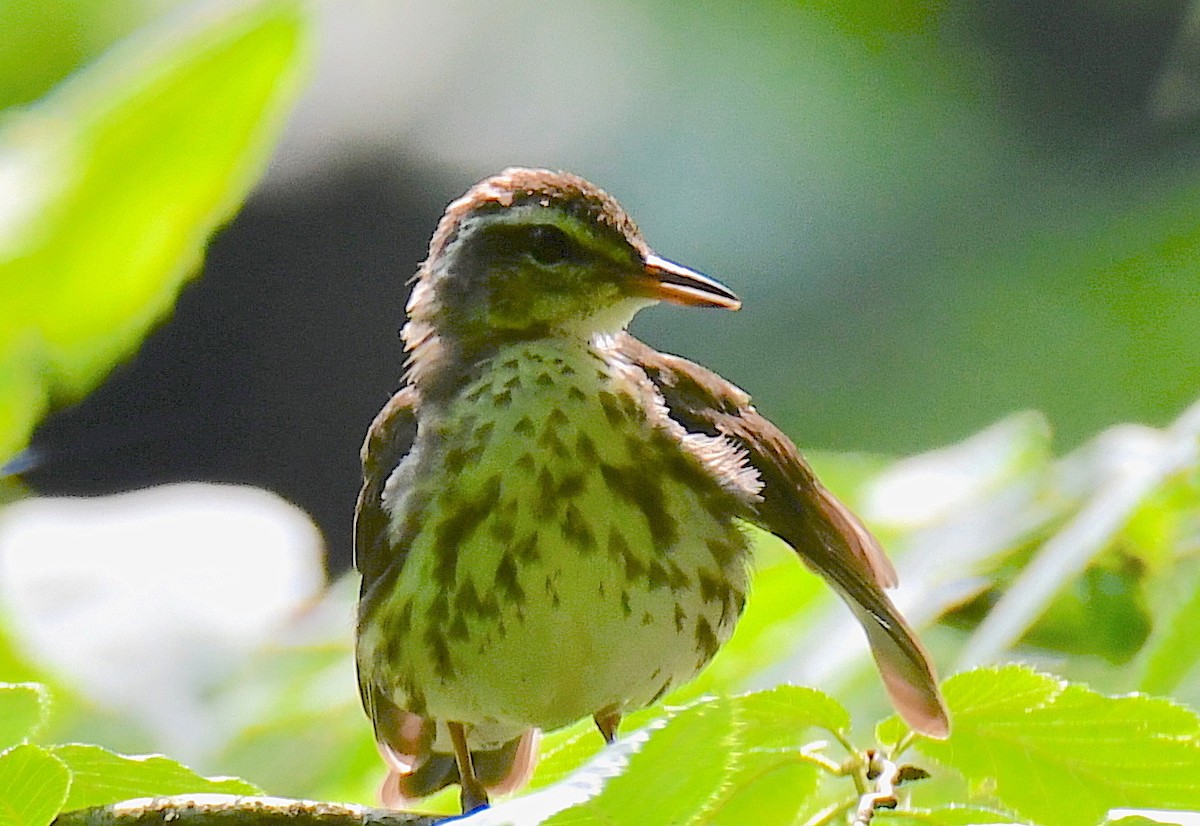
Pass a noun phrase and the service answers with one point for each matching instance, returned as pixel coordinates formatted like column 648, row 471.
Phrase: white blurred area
column 469, row 85
column 144, row 601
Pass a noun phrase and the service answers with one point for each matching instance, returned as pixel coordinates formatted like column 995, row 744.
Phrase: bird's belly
column 582, row 638
column 578, row 561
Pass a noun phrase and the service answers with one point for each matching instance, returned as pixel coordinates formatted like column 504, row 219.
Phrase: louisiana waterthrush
column 552, row 520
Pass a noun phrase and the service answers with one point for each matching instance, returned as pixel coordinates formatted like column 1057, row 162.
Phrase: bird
column 553, row 521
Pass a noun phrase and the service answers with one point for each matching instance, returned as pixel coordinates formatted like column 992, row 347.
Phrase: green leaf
column 729, row 760
column 777, row 717
column 101, row 777
column 661, row 785
column 771, row 777
column 330, row 756
column 946, row 816
column 764, row 787
column 119, row 177
column 33, row 786
column 23, row 710
column 1063, row 754
column 979, row 694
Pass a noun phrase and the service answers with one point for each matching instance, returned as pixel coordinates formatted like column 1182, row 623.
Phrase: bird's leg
column 608, row 720
column 474, row 796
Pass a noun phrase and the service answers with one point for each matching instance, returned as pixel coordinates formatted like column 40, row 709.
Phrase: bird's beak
column 664, row 280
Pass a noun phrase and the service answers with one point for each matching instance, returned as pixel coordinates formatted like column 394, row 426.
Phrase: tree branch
column 231, row 810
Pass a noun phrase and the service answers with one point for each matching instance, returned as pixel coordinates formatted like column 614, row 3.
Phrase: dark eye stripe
column 544, row 243
column 548, row 244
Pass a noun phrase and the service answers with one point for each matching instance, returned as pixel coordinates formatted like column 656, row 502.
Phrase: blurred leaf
column 294, row 719
column 41, row 42
column 112, row 185
column 33, row 786
column 1101, row 612
column 327, row 756
column 1124, row 468
column 100, row 777
column 1172, row 652
column 1167, row 522
column 23, row 710
column 563, row 751
column 1060, row 753
column 939, row 484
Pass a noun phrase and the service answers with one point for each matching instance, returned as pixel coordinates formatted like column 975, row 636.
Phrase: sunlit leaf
column 100, row 777
column 33, row 786
column 1061, row 753
column 764, row 787
column 660, row 784
column 939, row 484
column 720, row 760
column 778, row 717
column 948, row 816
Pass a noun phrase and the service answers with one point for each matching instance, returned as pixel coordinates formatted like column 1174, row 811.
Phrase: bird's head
column 530, row 253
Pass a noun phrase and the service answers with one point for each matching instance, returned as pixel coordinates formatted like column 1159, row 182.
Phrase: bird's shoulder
column 794, row 504
column 389, row 438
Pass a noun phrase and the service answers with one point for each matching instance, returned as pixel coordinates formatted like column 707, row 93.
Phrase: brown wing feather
column 797, row 508
column 389, row 438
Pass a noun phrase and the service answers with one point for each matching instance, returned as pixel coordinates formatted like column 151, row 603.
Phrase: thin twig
column 884, row 772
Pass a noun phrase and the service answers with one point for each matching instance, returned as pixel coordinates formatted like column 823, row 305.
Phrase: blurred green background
column 936, row 213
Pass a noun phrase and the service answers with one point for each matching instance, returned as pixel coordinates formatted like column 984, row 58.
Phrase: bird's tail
column 855, row 564
column 500, row 770
column 904, row 665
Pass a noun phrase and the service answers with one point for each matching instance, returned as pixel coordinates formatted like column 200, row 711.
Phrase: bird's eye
column 547, row 244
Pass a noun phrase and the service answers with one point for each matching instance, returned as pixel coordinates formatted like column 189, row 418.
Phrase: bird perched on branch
column 552, row 520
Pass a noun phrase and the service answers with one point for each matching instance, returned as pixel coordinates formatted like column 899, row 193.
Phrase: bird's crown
column 568, row 194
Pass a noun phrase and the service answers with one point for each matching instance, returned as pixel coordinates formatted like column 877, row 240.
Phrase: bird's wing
column 389, row 438
column 797, row 508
